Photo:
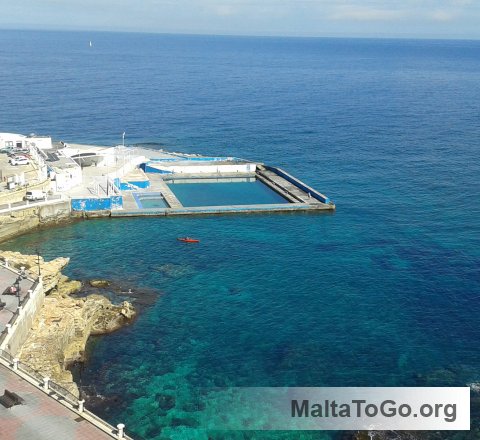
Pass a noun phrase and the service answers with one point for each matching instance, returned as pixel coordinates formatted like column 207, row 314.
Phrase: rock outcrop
column 19, row 221
column 51, row 271
column 63, row 325
column 60, row 333
column 99, row 283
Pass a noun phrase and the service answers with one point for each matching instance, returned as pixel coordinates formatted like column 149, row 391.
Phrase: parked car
column 35, row 194
column 19, row 160
column 22, row 150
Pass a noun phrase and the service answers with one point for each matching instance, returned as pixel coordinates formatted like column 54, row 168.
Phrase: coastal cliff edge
column 64, row 323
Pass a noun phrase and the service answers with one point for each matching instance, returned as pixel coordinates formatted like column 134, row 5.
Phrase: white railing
column 60, row 394
column 128, row 166
column 37, row 379
column 18, row 206
column 24, row 314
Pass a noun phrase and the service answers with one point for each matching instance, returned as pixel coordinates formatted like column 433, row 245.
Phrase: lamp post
column 38, row 262
column 17, row 287
column 21, row 276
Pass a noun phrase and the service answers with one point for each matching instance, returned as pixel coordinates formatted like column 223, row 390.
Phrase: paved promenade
column 7, row 278
column 40, row 417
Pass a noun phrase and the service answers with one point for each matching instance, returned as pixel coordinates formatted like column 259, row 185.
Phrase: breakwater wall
column 212, row 210
column 20, row 219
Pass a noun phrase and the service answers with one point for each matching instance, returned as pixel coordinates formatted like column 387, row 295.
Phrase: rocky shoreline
column 27, row 219
column 60, row 331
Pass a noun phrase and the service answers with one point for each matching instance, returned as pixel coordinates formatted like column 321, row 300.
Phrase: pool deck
column 161, row 168
column 158, row 184
column 299, row 199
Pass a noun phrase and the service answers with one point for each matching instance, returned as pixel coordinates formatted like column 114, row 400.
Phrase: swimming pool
column 219, row 192
column 150, row 200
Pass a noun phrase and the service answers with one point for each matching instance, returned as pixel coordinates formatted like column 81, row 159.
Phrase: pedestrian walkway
column 40, row 417
column 7, row 280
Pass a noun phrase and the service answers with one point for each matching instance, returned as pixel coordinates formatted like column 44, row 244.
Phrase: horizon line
column 379, row 36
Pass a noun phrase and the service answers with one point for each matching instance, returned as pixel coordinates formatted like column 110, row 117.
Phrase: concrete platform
column 157, row 184
column 234, row 209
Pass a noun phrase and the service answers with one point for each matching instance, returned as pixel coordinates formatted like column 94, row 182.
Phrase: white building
column 228, row 166
column 15, row 140
column 41, row 142
column 65, row 174
column 12, row 140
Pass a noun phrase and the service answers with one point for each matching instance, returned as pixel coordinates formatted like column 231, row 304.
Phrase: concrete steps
column 167, row 193
column 289, row 190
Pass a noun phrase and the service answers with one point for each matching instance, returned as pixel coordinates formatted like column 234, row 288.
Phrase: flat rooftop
column 193, row 163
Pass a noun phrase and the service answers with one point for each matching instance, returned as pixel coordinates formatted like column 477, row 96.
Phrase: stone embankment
column 23, row 220
column 63, row 325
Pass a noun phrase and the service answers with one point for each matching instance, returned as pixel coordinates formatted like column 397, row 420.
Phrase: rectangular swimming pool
column 220, row 193
column 150, row 200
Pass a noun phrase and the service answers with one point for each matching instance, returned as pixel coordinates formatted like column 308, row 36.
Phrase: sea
column 383, row 292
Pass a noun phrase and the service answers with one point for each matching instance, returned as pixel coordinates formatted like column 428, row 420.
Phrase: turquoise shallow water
column 150, row 201
column 386, row 291
column 154, row 203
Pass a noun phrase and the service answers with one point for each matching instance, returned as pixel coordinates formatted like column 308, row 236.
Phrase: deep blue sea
column 384, row 292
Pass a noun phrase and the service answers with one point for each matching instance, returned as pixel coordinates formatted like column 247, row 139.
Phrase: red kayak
column 188, row 240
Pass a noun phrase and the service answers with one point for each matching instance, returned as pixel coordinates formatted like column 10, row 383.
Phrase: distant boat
column 91, row 44
column 188, row 240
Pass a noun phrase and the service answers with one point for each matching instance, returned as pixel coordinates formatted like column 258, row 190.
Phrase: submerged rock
column 165, row 401
column 174, row 270
column 99, row 283
column 190, row 422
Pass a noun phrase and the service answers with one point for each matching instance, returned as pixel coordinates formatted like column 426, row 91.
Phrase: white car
column 17, row 160
column 35, row 194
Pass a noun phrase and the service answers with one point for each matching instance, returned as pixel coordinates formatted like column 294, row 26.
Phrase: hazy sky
column 409, row 18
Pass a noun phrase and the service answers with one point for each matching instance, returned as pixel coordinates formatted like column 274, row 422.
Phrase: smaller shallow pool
column 150, row 200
